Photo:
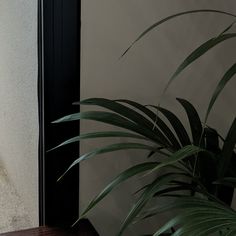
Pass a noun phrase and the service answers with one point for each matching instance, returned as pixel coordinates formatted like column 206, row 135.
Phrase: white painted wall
column 108, row 27
column 18, row 96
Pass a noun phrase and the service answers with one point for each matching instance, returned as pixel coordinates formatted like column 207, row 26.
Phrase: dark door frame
column 58, row 87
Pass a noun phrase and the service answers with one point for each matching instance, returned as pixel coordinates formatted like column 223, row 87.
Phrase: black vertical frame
column 58, row 88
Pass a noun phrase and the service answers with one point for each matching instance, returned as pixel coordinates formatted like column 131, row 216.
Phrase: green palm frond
column 158, row 23
column 157, row 122
column 175, row 123
column 200, row 51
column 127, row 174
column 145, row 197
column 161, row 129
column 195, row 164
column 107, row 149
column 226, row 78
column 194, row 120
column 105, row 134
column 115, row 120
column 200, row 217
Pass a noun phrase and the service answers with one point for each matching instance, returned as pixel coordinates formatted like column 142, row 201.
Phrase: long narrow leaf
column 144, row 199
column 205, row 225
column 112, row 119
column 181, row 154
column 157, row 121
column 127, row 112
column 181, row 171
column 228, row 27
column 172, row 223
column 107, row 149
column 176, row 124
column 189, row 202
column 105, row 134
column 180, row 188
column 226, row 78
column 156, row 24
column 166, row 192
column 137, row 169
column 201, row 50
column 118, row 108
column 186, row 202
column 199, row 217
column 194, row 120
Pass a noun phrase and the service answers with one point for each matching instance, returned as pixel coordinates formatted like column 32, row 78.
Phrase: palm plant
column 199, row 169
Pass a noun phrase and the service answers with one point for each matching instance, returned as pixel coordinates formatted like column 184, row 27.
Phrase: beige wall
column 108, row 27
column 18, row 96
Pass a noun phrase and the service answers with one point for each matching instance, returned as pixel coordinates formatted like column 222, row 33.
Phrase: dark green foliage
column 201, row 178
column 198, row 170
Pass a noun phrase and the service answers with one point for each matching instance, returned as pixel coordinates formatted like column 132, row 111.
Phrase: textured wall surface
column 13, row 214
column 18, row 96
column 108, row 27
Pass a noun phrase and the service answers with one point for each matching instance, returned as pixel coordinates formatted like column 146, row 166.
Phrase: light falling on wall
column 18, row 96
